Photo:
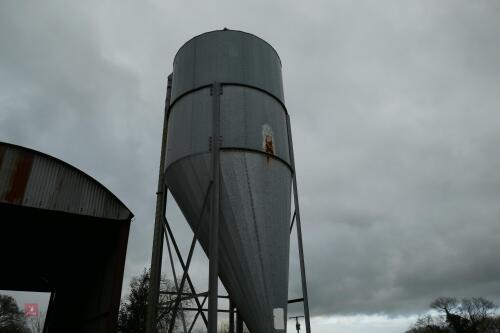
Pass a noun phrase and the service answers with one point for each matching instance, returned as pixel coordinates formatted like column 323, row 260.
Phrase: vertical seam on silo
column 200, row 185
column 255, row 222
column 190, row 121
column 194, row 63
column 241, row 267
column 247, row 144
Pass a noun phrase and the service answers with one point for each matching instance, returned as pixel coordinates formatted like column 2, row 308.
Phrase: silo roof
column 33, row 179
column 228, row 30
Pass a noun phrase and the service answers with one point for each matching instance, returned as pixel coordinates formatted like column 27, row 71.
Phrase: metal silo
column 255, row 175
column 228, row 163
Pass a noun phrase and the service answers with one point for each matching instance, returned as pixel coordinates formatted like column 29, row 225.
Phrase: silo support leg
column 302, row 264
column 231, row 316
column 157, row 250
column 213, row 250
column 239, row 323
column 299, row 228
column 293, row 220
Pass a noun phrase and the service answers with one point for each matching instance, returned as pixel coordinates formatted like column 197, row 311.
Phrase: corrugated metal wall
column 33, row 179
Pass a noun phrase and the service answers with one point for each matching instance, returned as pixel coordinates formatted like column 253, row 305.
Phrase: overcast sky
column 395, row 110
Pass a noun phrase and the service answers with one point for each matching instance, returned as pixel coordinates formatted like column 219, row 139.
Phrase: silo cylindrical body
column 255, row 171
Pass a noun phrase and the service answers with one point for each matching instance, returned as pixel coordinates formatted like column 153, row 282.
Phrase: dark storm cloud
column 394, row 112
column 64, row 94
column 406, row 179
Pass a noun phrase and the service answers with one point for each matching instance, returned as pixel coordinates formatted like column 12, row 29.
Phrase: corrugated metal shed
column 62, row 232
column 32, row 179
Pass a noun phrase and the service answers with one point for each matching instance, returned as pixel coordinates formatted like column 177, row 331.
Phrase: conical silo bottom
column 253, row 229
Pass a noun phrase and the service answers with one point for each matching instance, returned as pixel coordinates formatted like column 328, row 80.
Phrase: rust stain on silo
column 267, row 141
column 20, row 176
column 269, row 144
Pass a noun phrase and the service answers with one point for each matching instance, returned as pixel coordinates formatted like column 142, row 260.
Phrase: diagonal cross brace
column 190, row 256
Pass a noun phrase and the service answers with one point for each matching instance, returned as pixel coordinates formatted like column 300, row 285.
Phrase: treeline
column 468, row 315
column 12, row 319
column 133, row 308
column 132, row 315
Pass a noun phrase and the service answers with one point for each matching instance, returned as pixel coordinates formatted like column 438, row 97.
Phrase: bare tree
column 132, row 315
column 469, row 315
column 476, row 312
column 11, row 318
column 428, row 324
column 36, row 323
column 446, row 304
column 477, row 308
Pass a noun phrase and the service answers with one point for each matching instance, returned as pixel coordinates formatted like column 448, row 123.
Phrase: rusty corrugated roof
column 33, row 179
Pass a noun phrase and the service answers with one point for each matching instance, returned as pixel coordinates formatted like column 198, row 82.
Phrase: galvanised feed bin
column 255, row 170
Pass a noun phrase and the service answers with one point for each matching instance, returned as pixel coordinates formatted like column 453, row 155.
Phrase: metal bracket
column 211, row 142
column 212, row 89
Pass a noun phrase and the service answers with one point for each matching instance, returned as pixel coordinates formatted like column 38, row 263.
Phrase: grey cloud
column 395, row 119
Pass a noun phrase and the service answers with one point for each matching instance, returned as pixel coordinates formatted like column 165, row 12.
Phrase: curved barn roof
column 33, row 179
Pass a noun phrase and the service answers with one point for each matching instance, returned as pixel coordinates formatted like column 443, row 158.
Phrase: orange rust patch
column 20, row 176
column 269, row 144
